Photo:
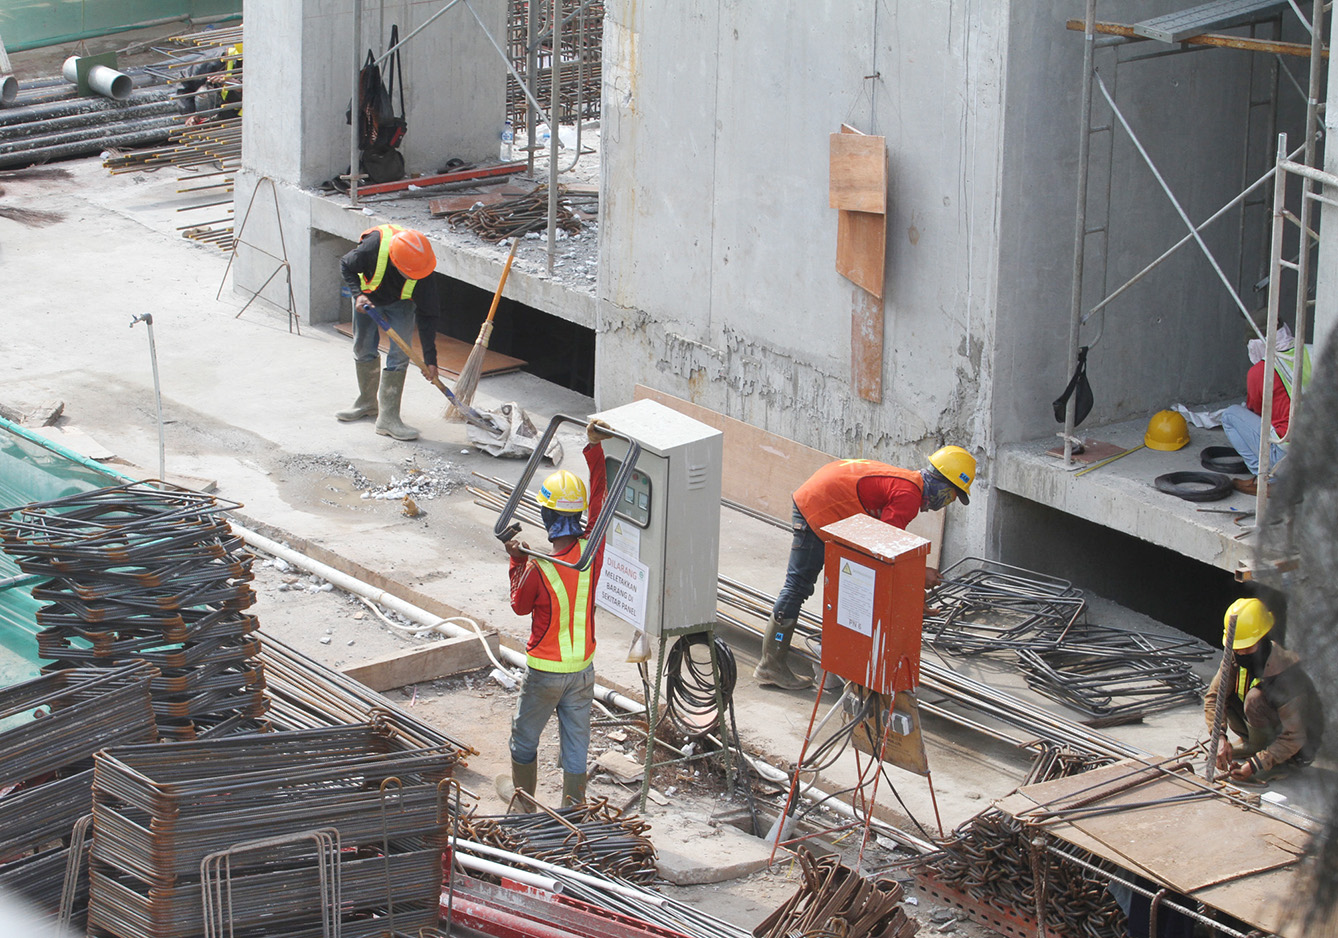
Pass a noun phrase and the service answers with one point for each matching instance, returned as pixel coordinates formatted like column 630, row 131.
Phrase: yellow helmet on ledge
column 1167, row 431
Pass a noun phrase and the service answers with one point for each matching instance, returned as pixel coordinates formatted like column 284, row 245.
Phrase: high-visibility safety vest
column 369, row 285
column 569, row 644
column 1284, row 363
column 227, row 73
column 830, row 494
column 1244, row 683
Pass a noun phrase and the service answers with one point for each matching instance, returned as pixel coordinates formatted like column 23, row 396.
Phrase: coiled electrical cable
column 690, row 693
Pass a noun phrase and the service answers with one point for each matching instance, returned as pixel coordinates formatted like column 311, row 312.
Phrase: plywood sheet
column 866, row 346
column 858, row 173
column 1214, row 849
column 451, row 353
column 861, row 249
column 762, row 469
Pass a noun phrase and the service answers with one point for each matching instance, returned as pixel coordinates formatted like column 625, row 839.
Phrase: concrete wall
column 717, row 279
column 299, row 72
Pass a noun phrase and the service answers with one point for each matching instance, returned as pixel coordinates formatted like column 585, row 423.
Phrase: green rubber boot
column 388, row 421
column 773, row 668
column 524, row 777
column 573, row 788
column 369, row 381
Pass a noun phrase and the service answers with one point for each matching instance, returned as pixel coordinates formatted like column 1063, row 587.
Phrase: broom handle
column 414, row 357
column 497, row 297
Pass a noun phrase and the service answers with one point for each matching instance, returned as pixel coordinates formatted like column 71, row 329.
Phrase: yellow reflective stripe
column 1242, row 688
column 571, row 622
column 1283, row 365
column 382, row 262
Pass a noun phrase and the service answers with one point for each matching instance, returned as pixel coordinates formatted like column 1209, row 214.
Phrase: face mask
column 1255, row 661
column 937, row 492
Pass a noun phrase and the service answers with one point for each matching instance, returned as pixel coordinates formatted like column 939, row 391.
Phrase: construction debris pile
column 991, row 860
column 589, row 836
column 984, row 606
column 835, row 900
column 154, row 572
column 511, row 218
column 283, row 832
column 46, row 773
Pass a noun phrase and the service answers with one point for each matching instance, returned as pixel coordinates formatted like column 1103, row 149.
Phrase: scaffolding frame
column 544, row 19
column 1117, row 35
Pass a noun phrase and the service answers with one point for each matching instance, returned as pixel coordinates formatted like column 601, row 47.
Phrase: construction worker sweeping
column 560, row 602
column 389, row 275
column 1272, row 706
column 837, row 491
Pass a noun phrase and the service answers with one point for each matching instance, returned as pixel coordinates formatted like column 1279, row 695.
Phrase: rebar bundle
column 589, row 836
column 990, row 859
column 150, row 571
column 580, row 53
column 985, row 606
column 161, row 812
column 53, row 724
column 511, row 218
column 834, row 900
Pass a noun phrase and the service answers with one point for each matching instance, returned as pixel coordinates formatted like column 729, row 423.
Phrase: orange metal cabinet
column 873, row 603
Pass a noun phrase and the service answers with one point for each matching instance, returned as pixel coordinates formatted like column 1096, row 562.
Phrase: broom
column 468, row 381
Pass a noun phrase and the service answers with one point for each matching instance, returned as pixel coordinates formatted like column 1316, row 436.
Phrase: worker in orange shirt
column 560, row 602
column 835, row 492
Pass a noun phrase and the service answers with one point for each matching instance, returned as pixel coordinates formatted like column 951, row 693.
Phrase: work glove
column 595, row 431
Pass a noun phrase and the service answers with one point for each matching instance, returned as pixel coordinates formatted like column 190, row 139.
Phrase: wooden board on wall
column 857, row 173
column 762, row 469
column 861, row 249
column 866, row 346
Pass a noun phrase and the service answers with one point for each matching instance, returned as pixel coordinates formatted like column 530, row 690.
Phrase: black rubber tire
column 1191, row 485
column 1222, row 459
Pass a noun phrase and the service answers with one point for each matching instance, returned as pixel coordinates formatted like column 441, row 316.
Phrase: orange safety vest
column 830, row 494
column 382, row 262
column 569, row 644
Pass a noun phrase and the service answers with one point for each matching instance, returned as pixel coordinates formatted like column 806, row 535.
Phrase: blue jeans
column 570, row 695
column 801, row 574
column 366, row 337
column 1242, row 427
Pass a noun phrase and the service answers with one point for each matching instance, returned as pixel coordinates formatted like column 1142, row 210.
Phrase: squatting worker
column 560, row 602
column 389, row 273
column 837, row 491
column 1272, row 705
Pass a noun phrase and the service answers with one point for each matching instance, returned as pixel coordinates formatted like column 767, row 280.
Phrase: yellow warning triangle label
column 846, row 568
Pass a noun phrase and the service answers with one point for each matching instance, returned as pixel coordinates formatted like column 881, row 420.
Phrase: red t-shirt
column 1254, row 397
column 895, row 501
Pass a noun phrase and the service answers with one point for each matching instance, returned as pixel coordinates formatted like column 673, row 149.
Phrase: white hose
column 426, row 620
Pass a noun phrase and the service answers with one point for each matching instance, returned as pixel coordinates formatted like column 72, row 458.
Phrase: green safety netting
column 30, row 24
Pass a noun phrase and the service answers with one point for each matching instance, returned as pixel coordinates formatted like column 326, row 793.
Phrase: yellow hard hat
column 1253, row 622
column 958, row 467
column 563, row 491
column 1167, row 431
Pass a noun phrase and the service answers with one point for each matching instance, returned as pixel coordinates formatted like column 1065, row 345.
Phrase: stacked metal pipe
column 246, row 811
column 589, row 836
column 149, row 571
column 54, row 725
column 835, row 900
column 990, row 859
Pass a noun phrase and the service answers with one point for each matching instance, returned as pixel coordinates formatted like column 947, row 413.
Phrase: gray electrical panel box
column 662, row 550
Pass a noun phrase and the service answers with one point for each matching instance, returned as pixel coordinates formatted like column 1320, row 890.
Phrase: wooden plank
column 762, row 469
column 448, row 204
column 857, row 173
column 428, row 663
column 451, row 353
column 866, row 346
column 861, row 249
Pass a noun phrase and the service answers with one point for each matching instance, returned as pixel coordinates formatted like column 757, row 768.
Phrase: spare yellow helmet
column 1167, row 431
column 958, row 467
column 563, row 491
column 1253, row 622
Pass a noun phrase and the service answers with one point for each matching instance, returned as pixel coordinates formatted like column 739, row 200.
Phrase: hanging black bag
column 380, row 130
column 1082, row 402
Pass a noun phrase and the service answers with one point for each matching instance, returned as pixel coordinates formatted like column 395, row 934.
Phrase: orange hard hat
column 411, row 253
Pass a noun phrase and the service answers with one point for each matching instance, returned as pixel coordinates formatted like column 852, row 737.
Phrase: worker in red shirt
column 835, row 492
column 560, row 602
column 1243, row 422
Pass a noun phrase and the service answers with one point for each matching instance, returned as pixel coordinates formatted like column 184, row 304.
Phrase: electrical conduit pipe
column 105, row 81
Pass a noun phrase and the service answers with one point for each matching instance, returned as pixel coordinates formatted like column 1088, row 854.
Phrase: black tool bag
column 380, row 129
column 1079, row 390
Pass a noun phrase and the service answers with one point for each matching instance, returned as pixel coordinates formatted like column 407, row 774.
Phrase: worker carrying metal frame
column 1272, row 704
column 560, row 602
column 837, row 491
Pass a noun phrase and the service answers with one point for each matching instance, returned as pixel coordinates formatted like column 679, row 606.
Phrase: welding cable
column 690, row 691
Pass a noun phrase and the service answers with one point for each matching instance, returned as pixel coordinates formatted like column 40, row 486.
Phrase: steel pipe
column 9, row 89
